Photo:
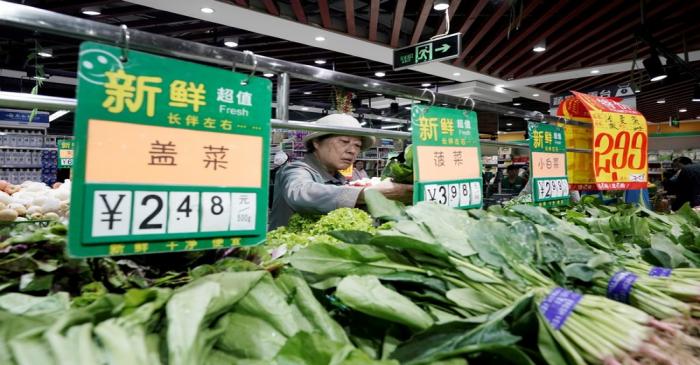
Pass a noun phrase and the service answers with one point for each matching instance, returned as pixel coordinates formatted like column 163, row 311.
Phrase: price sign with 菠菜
column 172, row 155
column 549, row 183
column 65, row 153
column 447, row 157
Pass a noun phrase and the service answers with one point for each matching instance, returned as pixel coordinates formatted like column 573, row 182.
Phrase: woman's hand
column 395, row 191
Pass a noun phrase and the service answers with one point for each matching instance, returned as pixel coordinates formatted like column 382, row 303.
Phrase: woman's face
column 360, row 165
column 338, row 152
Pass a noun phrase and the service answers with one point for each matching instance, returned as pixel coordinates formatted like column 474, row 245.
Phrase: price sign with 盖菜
column 550, row 185
column 172, row 155
column 65, row 153
column 447, row 157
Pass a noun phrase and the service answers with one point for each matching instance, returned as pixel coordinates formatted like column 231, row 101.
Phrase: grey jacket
column 306, row 187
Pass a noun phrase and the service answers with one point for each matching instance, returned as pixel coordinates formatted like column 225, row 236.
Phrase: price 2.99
column 623, row 151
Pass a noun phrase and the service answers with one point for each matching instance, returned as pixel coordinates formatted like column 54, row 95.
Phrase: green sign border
column 559, row 148
column 80, row 222
column 472, row 141
column 59, row 143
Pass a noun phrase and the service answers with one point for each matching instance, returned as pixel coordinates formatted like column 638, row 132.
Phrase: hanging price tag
column 620, row 144
column 65, row 153
column 548, row 164
column 447, row 162
column 173, row 155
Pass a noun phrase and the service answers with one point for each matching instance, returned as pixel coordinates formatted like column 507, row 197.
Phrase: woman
column 314, row 185
column 358, row 171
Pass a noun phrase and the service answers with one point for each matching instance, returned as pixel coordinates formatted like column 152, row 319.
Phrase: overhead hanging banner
column 170, row 155
column 620, row 144
column 550, row 186
column 447, row 157
column 65, row 153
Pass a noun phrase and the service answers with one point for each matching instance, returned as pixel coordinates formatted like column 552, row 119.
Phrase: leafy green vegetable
column 367, row 295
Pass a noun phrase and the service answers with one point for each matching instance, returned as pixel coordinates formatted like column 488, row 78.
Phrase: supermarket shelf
column 29, row 148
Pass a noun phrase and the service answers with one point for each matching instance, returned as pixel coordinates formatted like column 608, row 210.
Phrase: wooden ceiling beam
column 373, row 20
column 473, row 15
column 594, row 45
column 350, row 17
column 298, row 11
column 420, row 23
column 482, row 32
column 504, row 32
column 398, row 18
column 325, row 14
column 271, row 7
column 602, row 33
column 570, row 32
column 454, row 4
column 524, row 36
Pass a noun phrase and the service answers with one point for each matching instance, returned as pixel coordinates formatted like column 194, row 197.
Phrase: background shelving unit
column 27, row 153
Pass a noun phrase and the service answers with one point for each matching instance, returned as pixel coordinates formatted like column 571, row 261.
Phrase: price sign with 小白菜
column 65, row 153
column 620, row 144
column 172, row 156
column 549, row 182
column 447, row 157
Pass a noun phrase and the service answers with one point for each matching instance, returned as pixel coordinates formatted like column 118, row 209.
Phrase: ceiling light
column 654, row 68
column 231, row 42
column 206, row 10
column 307, row 92
column 443, row 104
column 661, row 101
column 535, row 95
column 441, row 5
column 509, row 124
column 456, row 73
column 516, row 104
column 511, row 112
column 380, row 74
column 595, row 72
column 268, row 74
column 541, row 46
column 696, row 93
column 320, row 62
column 304, row 108
column 394, row 126
column 407, row 107
column 365, row 85
column 57, row 115
column 425, row 84
column 320, row 38
column 375, row 84
column 363, row 124
column 45, row 52
column 682, row 110
column 378, row 94
column 636, row 88
column 91, row 10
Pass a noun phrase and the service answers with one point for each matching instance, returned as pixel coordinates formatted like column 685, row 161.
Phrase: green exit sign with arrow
column 437, row 49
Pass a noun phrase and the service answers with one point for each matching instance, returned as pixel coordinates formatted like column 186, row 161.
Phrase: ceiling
column 498, row 36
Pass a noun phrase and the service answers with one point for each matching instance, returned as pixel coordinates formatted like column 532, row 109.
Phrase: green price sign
column 550, row 186
column 170, row 155
column 447, row 158
column 65, row 153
